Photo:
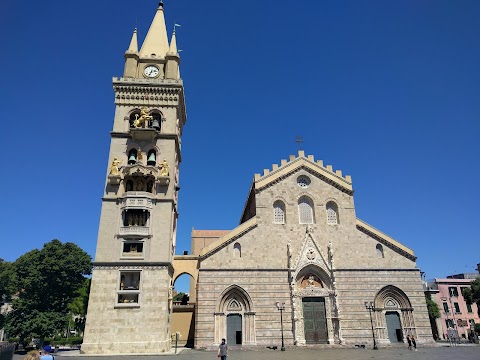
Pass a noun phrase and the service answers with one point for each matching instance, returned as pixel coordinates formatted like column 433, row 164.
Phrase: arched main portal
column 314, row 307
column 235, row 317
column 393, row 315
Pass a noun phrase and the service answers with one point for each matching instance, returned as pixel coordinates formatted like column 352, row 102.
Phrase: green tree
column 179, row 296
column 78, row 307
column 433, row 309
column 7, row 280
column 48, row 280
column 472, row 294
column 7, row 285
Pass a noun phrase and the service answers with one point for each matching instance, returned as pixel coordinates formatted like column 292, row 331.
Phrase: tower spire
column 173, row 44
column 133, row 48
column 156, row 41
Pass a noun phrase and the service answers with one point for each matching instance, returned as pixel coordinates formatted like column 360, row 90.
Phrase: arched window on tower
column 237, row 250
column 380, row 251
column 278, row 212
column 129, row 185
column 133, row 116
column 132, row 157
column 156, row 121
column 152, row 158
column 305, row 210
column 332, row 213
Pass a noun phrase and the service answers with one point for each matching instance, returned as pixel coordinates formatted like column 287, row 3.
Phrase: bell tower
column 131, row 293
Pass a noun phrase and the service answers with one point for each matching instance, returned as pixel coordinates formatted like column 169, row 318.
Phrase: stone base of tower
column 126, row 327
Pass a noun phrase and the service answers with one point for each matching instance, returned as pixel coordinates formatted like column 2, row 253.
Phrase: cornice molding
column 385, row 239
column 130, row 265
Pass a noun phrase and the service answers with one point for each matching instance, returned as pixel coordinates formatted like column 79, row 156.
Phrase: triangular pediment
column 310, row 254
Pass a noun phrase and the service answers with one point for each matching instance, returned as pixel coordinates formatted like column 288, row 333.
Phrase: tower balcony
column 137, row 200
column 138, row 231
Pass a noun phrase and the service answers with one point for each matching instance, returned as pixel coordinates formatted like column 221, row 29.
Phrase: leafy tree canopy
column 472, row 294
column 47, row 281
column 179, row 296
column 433, row 309
column 7, row 281
column 79, row 305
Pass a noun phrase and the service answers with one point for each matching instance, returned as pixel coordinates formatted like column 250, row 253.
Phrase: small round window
column 303, row 181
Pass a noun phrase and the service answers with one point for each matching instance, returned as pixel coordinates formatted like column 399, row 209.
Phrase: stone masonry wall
column 143, row 329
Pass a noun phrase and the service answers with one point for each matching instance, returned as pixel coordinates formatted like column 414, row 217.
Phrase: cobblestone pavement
column 437, row 353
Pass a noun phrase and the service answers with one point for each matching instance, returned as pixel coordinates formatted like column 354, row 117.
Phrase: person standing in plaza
column 409, row 342
column 414, row 342
column 223, row 350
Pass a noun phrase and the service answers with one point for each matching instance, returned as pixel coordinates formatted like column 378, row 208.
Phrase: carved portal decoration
column 309, row 281
column 311, row 254
column 311, row 275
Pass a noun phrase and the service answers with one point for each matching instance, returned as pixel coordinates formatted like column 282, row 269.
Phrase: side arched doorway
column 235, row 317
column 393, row 315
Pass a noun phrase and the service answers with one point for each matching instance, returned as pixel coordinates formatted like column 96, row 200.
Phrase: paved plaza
column 436, row 353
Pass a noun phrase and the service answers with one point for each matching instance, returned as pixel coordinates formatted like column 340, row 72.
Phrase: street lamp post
column 370, row 307
column 281, row 307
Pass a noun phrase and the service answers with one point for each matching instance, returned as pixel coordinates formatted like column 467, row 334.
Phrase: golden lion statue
column 142, row 119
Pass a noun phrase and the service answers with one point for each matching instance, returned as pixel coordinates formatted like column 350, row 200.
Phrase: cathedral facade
column 301, row 248
column 299, row 267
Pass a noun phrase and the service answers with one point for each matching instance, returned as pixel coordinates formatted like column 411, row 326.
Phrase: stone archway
column 235, row 317
column 315, row 308
column 183, row 313
column 393, row 315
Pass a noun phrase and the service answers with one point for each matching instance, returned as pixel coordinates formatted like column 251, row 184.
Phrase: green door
column 315, row 321
column 234, row 329
column 394, row 327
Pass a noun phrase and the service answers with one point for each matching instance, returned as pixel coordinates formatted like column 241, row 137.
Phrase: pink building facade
column 456, row 314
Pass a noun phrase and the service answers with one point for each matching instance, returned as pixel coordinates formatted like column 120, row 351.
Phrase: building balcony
column 137, row 200
column 140, row 231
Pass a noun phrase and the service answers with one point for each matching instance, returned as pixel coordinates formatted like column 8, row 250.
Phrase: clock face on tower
column 151, row 71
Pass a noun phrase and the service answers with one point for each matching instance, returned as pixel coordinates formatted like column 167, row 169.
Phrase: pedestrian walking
column 409, row 341
column 414, row 342
column 223, row 350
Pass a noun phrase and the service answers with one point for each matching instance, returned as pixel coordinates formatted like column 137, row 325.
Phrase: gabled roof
column 385, row 239
column 307, row 162
column 231, row 236
column 292, row 165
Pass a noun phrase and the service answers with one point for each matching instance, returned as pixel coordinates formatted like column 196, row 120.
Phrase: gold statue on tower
column 144, row 117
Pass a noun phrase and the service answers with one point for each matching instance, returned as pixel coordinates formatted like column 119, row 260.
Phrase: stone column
column 328, row 313
column 249, row 328
column 220, row 320
column 298, row 319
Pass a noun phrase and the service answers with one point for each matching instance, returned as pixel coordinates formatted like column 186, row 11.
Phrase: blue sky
column 386, row 91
